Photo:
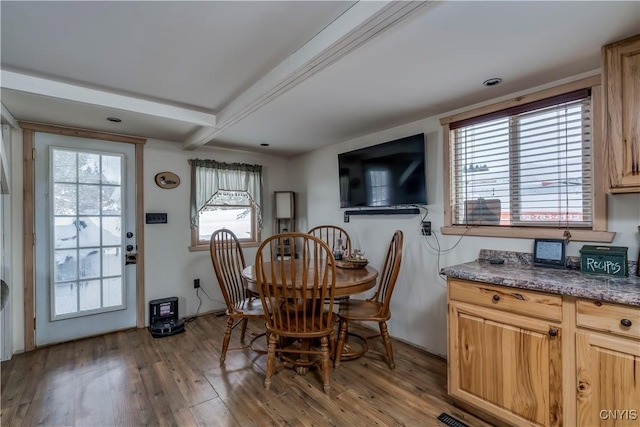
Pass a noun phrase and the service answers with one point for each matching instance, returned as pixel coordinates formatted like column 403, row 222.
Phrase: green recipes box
column 609, row 260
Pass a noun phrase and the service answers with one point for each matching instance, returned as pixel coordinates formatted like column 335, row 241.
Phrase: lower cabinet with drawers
column 608, row 364
column 531, row 358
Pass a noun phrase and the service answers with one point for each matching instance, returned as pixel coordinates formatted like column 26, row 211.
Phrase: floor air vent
column 450, row 421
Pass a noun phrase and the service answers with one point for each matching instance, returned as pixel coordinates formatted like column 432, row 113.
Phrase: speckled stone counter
column 518, row 272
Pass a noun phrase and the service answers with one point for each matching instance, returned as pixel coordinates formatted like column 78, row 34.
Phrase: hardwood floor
column 131, row 379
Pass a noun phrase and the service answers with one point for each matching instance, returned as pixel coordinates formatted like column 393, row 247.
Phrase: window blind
column 529, row 165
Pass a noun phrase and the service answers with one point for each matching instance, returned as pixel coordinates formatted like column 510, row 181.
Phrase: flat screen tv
column 388, row 174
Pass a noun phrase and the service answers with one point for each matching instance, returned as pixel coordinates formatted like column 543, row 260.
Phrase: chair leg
column 384, row 333
column 342, row 336
column 332, row 344
column 326, row 366
column 244, row 329
column 225, row 340
column 271, row 360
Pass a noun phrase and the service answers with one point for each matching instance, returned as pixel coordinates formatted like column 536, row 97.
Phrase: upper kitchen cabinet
column 621, row 80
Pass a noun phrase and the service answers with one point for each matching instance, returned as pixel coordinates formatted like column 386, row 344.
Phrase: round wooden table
column 348, row 281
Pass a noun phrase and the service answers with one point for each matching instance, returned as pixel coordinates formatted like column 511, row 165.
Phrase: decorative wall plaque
column 167, row 180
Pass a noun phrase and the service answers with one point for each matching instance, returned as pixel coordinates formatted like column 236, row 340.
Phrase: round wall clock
column 167, row 180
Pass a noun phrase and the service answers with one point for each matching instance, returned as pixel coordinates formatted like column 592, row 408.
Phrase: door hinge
column 33, row 154
column 34, row 323
column 34, row 239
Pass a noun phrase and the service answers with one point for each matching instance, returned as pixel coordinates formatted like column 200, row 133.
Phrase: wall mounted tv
column 388, row 174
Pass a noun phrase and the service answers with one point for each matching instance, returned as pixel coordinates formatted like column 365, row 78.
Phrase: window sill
column 531, row 233
column 205, row 246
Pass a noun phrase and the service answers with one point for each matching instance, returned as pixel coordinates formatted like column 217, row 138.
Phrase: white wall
column 169, row 266
column 419, row 304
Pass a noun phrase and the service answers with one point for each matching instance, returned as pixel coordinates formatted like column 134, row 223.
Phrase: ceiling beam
column 358, row 25
column 8, row 118
column 54, row 89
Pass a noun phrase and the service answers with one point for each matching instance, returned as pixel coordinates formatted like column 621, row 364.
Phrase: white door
column 85, row 223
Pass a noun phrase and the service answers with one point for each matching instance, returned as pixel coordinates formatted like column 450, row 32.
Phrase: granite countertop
column 518, row 272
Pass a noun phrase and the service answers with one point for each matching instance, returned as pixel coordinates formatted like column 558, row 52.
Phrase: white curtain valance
column 208, row 177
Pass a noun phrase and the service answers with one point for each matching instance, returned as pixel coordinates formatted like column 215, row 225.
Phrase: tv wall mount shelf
column 390, row 211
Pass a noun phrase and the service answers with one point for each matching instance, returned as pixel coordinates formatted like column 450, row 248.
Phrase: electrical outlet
column 196, row 283
column 426, row 228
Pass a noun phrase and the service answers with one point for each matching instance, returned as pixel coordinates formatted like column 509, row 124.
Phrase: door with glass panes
column 84, row 223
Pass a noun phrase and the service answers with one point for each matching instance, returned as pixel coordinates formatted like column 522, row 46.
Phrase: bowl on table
column 350, row 262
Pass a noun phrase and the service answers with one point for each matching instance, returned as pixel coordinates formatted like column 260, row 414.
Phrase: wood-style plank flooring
column 131, row 379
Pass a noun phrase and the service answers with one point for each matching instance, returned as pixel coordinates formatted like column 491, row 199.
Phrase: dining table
column 348, row 281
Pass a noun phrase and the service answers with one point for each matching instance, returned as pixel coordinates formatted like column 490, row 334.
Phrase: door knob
column 129, row 234
column 129, row 248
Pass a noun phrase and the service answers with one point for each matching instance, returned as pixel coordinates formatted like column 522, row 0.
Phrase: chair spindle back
column 334, row 236
column 228, row 263
column 303, row 286
column 389, row 273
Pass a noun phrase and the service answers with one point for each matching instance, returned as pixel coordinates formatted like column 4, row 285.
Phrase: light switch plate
column 156, row 218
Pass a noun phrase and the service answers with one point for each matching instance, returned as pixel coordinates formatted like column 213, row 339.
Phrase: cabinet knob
column 553, row 332
column 625, row 322
column 496, row 298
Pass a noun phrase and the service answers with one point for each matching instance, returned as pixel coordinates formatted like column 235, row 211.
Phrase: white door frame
column 6, row 334
column 29, row 214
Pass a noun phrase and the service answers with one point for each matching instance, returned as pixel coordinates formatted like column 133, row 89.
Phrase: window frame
column 198, row 244
column 598, row 231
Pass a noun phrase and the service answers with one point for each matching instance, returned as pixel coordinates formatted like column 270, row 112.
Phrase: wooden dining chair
column 334, row 236
column 228, row 262
column 376, row 308
column 305, row 288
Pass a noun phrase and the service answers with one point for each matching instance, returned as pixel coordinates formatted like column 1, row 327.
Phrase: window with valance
column 225, row 195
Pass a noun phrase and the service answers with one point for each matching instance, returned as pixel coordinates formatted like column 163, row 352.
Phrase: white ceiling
column 296, row 75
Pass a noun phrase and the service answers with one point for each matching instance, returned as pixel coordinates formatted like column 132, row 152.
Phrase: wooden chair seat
column 363, row 310
column 248, row 307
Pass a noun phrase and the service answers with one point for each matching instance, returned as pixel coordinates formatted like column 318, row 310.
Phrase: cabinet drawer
column 521, row 301
column 614, row 318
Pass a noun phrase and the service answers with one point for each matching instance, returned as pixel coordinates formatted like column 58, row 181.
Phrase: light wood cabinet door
column 621, row 78
column 608, row 375
column 506, row 364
